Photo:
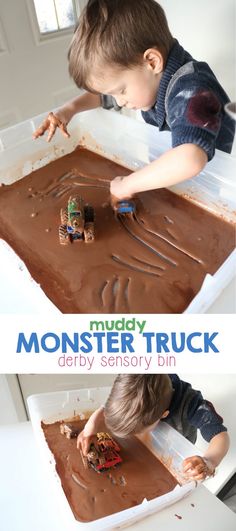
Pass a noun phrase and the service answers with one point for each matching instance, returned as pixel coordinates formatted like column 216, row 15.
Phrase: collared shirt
column 193, row 110
column 189, row 411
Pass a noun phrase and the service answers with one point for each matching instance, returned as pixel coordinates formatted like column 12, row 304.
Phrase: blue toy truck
column 125, row 207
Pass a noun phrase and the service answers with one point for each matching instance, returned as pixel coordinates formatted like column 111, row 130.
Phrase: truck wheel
column 64, row 237
column 89, row 232
column 64, row 216
column 88, row 214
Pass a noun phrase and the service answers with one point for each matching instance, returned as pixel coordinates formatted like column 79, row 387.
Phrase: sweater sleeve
column 202, row 414
column 194, row 113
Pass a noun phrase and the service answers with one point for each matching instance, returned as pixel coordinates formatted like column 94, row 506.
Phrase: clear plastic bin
column 167, row 444
column 133, row 144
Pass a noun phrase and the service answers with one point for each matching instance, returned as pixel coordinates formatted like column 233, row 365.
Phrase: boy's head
column 120, row 48
column 136, row 402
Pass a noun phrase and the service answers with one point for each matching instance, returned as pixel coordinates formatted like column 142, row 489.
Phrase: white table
column 26, row 505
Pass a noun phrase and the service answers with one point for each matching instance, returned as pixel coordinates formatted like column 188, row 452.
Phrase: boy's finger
column 83, row 444
column 193, row 461
column 52, row 129
column 188, row 466
column 79, row 440
column 200, row 477
column 64, row 131
column 40, row 131
column 114, row 201
column 197, row 474
column 199, row 469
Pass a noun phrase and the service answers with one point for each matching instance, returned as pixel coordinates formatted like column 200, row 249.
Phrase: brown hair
column 136, row 401
column 116, row 32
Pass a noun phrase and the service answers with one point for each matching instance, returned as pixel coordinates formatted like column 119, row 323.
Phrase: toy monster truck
column 126, row 206
column 106, row 454
column 77, row 222
column 100, row 457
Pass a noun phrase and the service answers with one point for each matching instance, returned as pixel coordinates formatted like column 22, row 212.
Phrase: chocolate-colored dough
column 152, row 263
column 92, row 495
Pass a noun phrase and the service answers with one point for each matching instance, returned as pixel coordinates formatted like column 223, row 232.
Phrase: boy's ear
column 154, row 60
column 165, row 414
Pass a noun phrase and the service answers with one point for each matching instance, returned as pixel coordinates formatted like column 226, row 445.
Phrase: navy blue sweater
column 193, row 110
column 189, row 411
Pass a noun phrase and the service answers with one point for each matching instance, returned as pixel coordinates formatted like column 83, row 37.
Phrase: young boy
column 136, row 404
column 123, row 52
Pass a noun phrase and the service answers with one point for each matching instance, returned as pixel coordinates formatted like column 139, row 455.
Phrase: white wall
column 206, row 29
column 34, row 74
column 15, row 389
column 11, row 404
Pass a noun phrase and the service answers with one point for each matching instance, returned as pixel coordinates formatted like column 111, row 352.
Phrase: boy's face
column 134, row 88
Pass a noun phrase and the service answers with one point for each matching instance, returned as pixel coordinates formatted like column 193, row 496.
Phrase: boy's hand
column 84, row 442
column 50, row 124
column 120, row 189
column 115, row 202
column 94, row 424
column 197, row 468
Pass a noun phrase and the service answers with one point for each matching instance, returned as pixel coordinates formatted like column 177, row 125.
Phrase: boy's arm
column 199, row 468
column 94, row 424
column 217, row 448
column 176, row 165
column 64, row 114
column 199, row 413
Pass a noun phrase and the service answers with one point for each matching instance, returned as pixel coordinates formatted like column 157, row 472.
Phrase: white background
column 44, row 362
